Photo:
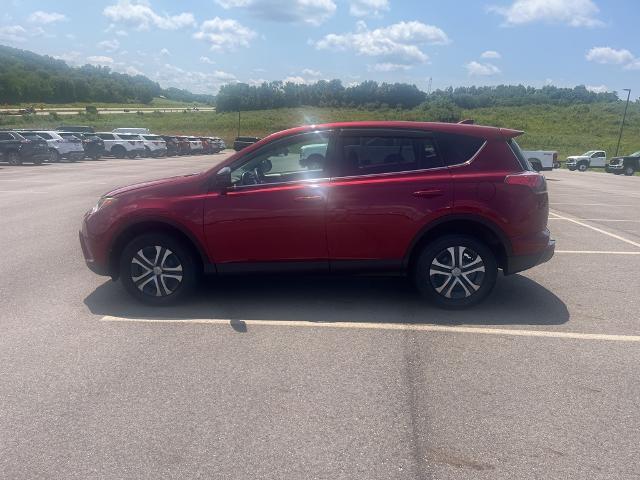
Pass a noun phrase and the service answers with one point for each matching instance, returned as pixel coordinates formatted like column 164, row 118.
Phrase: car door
column 388, row 184
column 5, row 138
column 598, row 159
column 273, row 215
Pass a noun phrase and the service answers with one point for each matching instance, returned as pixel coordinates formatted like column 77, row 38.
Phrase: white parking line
column 599, row 230
column 598, row 252
column 383, row 326
column 22, row 192
column 600, row 220
column 592, row 205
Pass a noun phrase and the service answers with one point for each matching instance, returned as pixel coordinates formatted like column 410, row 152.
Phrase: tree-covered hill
column 28, row 77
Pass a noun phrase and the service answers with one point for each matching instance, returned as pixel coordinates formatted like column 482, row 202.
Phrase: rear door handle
column 309, row 198
column 433, row 193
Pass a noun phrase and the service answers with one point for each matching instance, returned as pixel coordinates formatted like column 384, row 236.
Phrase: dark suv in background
column 16, row 149
column 93, row 145
column 448, row 205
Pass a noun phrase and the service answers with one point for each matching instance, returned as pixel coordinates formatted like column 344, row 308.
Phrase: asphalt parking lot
column 320, row 378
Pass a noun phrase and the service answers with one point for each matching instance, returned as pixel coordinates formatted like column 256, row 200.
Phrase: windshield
column 589, row 153
column 635, row 154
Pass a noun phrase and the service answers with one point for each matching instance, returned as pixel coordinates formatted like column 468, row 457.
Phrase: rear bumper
column 76, row 155
column 519, row 263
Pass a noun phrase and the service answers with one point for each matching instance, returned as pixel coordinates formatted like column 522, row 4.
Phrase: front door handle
column 433, row 193
column 309, row 198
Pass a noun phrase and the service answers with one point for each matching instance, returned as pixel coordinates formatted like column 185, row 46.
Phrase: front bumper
column 89, row 259
column 614, row 167
column 519, row 263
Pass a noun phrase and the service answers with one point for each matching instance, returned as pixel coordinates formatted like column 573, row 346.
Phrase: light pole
column 628, row 90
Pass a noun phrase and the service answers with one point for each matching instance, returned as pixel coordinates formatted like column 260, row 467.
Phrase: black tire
column 583, row 167
column 132, row 155
column 459, row 285
column 14, row 159
column 572, row 169
column 95, row 157
column 119, row 152
column 37, row 161
column 144, row 283
column 629, row 171
column 54, row 156
column 147, row 152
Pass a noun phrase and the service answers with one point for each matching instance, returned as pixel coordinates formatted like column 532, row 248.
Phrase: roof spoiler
column 467, row 121
column 509, row 133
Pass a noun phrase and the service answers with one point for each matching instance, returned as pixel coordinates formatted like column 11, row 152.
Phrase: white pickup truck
column 590, row 159
column 542, row 159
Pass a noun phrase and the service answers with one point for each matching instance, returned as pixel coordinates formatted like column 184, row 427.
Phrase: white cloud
column 143, row 16
column 311, row 73
column 109, row 46
column 491, row 54
column 388, row 67
column 197, row 82
column 13, row 33
column 256, row 82
column 608, row 55
column 165, row 52
column 368, row 8
column 100, row 60
column 635, row 65
column 295, row 79
column 482, row 69
column 121, row 33
column 133, row 71
column 72, row 57
column 575, row 13
column 46, row 18
column 398, row 43
column 224, row 34
column 313, row 12
column 598, row 88
column 207, row 60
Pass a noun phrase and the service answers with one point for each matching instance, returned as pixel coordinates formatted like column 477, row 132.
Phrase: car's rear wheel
column 158, row 269
column 14, row 159
column 456, row 271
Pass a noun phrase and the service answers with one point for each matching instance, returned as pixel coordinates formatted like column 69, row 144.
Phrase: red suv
column 447, row 204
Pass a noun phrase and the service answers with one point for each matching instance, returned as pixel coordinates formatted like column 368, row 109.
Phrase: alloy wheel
column 457, row 272
column 156, row 271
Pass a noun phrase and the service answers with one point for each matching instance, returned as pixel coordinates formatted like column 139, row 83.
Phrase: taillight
column 533, row 180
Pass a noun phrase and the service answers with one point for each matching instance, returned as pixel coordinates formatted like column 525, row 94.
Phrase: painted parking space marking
column 596, row 229
column 382, row 326
column 600, row 220
column 597, row 252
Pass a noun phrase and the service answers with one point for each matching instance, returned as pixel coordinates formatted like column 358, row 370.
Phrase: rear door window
column 456, row 149
column 44, row 135
column 106, row 136
column 5, row 136
column 374, row 154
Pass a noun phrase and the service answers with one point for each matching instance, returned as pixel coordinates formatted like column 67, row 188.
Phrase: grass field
column 155, row 103
column 569, row 130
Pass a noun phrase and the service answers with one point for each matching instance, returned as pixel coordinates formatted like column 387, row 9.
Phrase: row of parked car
column 79, row 142
column 626, row 164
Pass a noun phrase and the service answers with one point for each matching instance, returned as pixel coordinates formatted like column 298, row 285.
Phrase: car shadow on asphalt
column 516, row 300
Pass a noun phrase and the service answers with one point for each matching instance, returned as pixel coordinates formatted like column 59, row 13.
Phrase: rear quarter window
column 456, row 149
column 517, row 151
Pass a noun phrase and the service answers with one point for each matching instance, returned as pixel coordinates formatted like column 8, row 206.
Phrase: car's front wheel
column 456, row 271
column 583, row 167
column 158, row 269
column 629, row 170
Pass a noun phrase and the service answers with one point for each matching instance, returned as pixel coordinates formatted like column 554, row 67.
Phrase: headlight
column 103, row 202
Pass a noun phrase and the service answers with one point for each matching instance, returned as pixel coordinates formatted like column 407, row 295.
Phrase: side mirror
column 223, row 178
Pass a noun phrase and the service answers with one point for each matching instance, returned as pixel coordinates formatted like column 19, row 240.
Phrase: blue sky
column 200, row 45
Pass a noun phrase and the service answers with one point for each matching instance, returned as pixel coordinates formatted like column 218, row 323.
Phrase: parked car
column 243, row 142
column 154, row 145
column 122, row 145
column 590, row 159
column 93, row 146
column 542, row 159
column 172, row 145
column 220, row 142
column 196, row 145
column 628, row 165
column 209, row 145
column 446, row 204
column 75, row 129
column 60, row 148
column 139, row 131
column 16, row 149
column 184, row 146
